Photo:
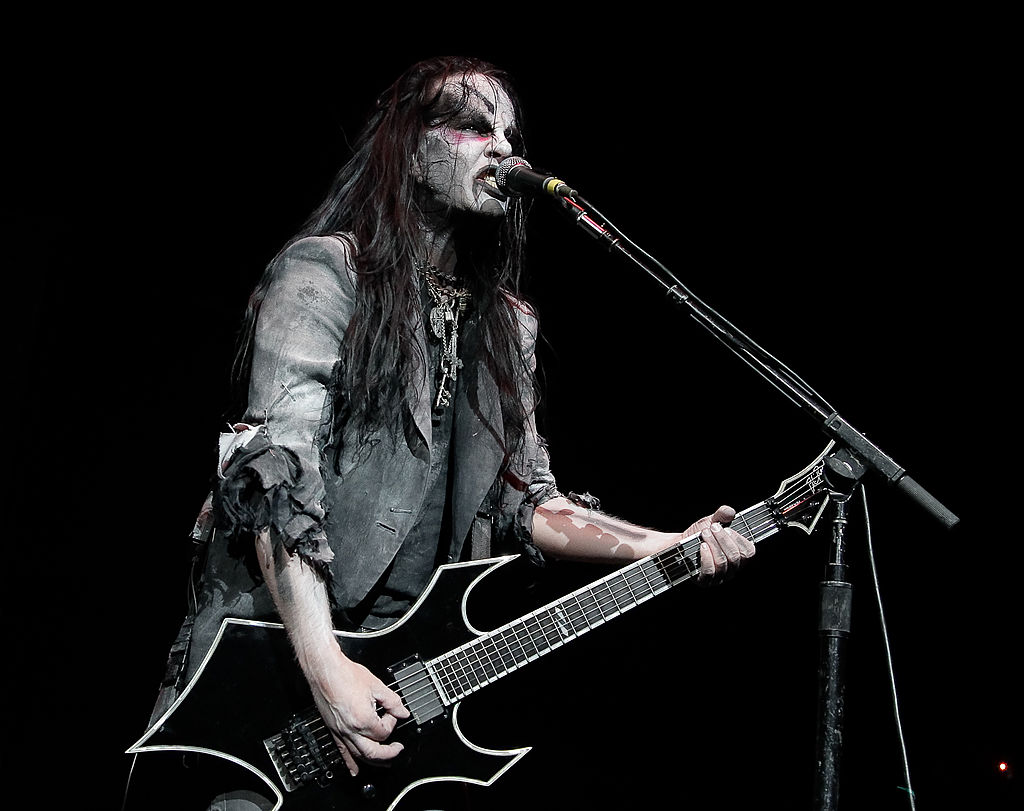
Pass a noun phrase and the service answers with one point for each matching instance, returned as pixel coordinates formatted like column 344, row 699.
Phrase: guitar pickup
column 419, row 692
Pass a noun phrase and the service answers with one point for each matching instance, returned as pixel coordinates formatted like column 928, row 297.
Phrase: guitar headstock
column 801, row 499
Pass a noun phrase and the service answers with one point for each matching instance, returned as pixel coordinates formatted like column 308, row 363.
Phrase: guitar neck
column 487, row 658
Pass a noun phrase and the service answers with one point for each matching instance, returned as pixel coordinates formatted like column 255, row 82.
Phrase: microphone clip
column 589, row 224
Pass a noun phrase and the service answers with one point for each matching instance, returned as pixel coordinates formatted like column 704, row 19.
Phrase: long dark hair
column 373, row 199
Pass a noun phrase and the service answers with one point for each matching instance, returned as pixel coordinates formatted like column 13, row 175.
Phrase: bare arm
column 346, row 693
column 302, row 320
column 563, row 529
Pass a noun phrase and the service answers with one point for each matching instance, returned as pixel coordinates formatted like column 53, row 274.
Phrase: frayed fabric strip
column 263, row 487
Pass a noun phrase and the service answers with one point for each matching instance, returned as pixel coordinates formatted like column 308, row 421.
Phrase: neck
column 437, row 245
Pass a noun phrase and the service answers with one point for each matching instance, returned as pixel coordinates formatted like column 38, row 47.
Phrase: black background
column 834, row 187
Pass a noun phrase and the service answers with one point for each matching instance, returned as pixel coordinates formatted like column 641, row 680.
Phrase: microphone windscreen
column 506, row 166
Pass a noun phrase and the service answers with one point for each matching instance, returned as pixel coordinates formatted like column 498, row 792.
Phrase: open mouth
column 489, row 181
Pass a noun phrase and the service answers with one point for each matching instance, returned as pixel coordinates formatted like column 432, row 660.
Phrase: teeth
column 487, row 176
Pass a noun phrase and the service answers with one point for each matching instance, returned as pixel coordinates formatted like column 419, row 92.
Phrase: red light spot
column 1003, row 766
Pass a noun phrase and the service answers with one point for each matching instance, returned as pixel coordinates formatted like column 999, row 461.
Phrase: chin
column 494, row 208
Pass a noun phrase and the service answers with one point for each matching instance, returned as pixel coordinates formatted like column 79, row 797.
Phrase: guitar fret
column 475, row 668
column 536, row 625
column 562, row 623
column 482, row 672
column 642, row 569
column 584, row 621
column 525, row 655
column 548, row 622
column 469, row 667
column 615, row 602
column 442, row 672
column 494, row 655
column 531, row 638
column 745, row 529
column 508, row 658
column 478, row 668
column 491, row 668
column 550, row 628
column 629, row 588
column 594, row 605
column 641, row 582
column 763, row 525
column 458, row 674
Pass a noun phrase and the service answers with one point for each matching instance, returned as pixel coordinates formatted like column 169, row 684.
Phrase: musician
column 390, row 427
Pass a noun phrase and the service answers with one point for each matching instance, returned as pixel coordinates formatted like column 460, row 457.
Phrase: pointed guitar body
column 248, row 702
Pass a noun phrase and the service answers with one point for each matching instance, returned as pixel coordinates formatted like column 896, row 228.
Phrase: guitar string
column 674, row 565
column 545, row 623
column 673, row 562
column 485, row 670
column 484, row 649
column 452, row 668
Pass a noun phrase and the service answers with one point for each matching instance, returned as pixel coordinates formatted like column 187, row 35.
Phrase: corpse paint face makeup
column 457, row 157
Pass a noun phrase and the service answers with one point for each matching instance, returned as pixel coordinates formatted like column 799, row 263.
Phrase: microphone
column 515, row 176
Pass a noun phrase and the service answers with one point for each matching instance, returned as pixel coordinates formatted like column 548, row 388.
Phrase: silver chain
column 449, row 303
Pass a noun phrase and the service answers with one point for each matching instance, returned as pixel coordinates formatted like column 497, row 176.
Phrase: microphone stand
column 784, row 379
column 853, row 456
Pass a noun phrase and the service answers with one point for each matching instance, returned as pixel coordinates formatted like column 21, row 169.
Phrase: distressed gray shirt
column 356, row 518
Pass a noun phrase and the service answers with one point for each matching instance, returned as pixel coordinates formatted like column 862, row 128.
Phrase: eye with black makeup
column 472, row 122
column 483, row 126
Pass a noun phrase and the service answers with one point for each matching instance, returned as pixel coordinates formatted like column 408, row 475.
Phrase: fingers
column 346, row 755
column 724, row 514
column 362, row 719
column 358, row 748
column 369, row 732
column 722, row 548
column 366, row 742
column 392, row 702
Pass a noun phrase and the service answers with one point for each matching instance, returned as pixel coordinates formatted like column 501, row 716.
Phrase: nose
column 499, row 147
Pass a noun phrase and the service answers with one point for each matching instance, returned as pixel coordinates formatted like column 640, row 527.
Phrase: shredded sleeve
column 272, row 479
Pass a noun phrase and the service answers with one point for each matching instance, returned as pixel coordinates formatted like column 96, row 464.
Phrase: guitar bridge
column 303, row 753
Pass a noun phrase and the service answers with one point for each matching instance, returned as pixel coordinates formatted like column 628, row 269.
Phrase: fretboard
column 487, row 658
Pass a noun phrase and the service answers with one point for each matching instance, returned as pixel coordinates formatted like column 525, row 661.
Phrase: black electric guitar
column 248, row 702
